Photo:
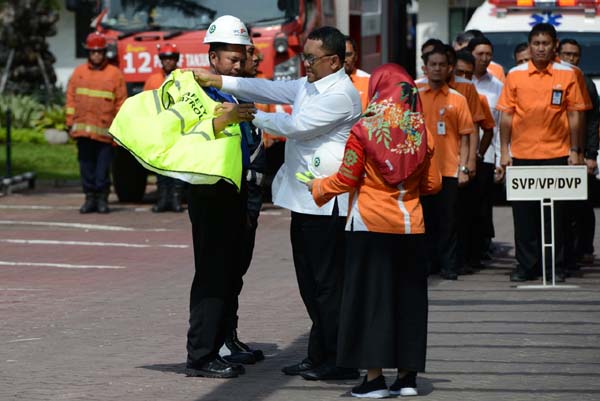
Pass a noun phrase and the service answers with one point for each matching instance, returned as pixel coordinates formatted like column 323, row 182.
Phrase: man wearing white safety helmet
column 325, row 107
column 217, row 215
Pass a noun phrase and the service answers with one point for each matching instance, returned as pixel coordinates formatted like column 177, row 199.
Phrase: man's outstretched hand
column 205, row 78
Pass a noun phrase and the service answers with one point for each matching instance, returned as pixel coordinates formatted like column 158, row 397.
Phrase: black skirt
column 383, row 320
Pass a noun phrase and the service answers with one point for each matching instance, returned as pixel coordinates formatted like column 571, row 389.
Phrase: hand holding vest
column 170, row 131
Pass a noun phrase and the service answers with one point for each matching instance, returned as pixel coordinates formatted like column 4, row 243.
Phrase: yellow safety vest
column 170, row 131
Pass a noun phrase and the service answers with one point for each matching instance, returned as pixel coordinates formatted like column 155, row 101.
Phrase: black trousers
column 476, row 226
column 527, row 224
column 469, row 200
column 318, row 250
column 216, row 215
column 441, row 231
column 169, row 183
column 584, row 224
column 94, row 164
column 251, row 197
column 485, row 179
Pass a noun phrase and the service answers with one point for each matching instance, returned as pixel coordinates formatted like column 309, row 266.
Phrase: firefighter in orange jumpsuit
column 169, row 189
column 95, row 93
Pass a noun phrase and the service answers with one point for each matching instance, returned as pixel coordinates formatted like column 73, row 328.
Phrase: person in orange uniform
column 169, row 189
column 471, row 196
column 95, row 92
column 359, row 78
column 447, row 115
column 462, row 41
column 466, row 88
column 569, row 50
column 540, row 104
column 521, row 53
column 385, row 283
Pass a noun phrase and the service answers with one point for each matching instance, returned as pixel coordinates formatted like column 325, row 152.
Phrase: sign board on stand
column 546, row 184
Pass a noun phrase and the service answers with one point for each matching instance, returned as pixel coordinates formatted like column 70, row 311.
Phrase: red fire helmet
column 95, row 41
column 168, row 50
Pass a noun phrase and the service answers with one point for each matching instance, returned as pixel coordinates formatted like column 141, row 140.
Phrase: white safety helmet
column 327, row 159
column 228, row 29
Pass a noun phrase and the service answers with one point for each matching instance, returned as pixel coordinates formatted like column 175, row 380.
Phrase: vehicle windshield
column 505, row 43
column 140, row 15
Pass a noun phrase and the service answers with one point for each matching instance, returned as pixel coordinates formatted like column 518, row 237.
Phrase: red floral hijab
column 392, row 129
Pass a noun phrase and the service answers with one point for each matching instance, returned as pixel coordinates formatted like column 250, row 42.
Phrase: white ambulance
column 506, row 23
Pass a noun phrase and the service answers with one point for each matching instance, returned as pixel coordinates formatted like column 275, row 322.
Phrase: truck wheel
column 129, row 177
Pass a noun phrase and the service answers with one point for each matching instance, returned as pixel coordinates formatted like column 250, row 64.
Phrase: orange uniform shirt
column 538, row 102
column 497, row 70
column 468, row 90
column 376, row 206
column 94, row 97
column 488, row 122
column 447, row 116
column 154, row 81
column 360, row 79
column 465, row 88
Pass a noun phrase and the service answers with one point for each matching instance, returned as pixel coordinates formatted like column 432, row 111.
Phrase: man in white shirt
column 325, row 107
column 489, row 152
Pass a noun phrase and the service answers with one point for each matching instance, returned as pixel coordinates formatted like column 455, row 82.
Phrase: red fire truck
column 136, row 27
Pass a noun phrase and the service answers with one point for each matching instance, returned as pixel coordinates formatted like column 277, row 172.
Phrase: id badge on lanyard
column 557, row 97
column 441, row 125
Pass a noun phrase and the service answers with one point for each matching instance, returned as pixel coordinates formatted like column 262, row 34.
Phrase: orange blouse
column 375, row 205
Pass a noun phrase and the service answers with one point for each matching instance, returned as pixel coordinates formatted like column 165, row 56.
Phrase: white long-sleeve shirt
column 323, row 111
column 491, row 88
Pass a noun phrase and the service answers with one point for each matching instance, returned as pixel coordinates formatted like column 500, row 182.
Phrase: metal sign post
column 546, row 184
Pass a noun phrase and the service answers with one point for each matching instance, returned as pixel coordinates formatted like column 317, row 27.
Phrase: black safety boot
column 103, row 202
column 240, row 352
column 162, row 205
column 90, row 205
column 175, row 200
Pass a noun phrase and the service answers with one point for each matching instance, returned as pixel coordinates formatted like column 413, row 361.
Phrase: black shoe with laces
column 405, row 386
column 90, row 205
column 237, row 367
column 240, row 352
column 216, row 368
column 330, row 372
column 448, row 275
column 298, row 368
column 519, row 275
column 102, row 203
column 375, row 388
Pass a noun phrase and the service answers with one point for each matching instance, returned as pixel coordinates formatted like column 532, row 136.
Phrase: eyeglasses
column 310, row 59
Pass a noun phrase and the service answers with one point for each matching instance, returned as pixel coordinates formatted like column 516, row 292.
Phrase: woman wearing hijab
column 387, row 165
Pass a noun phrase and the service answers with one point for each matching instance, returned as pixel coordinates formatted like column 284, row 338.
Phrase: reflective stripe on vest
column 70, row 110
column 95, row 93
column 170, row 131
column 92, row 129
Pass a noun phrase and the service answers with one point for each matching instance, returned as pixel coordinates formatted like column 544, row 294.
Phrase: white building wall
column 342, row 12
column 432, row 22
column 62, row 45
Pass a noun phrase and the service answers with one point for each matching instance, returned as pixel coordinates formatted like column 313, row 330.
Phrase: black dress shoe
column 238, row 368
column 244, row 358
column 328, row 372
column 298, row 368
column 520, row 276
column 240, row 352
column 448, row 275
column 214, row 369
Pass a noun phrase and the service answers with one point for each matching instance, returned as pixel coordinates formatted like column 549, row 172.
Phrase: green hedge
column 56, row 162
column 23, row 135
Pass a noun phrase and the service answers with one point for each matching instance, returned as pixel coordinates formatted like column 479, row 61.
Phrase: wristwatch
column 576, row 150
column 463, row 169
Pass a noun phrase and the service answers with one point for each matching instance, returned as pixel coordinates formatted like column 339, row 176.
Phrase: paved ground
column 95, row 308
